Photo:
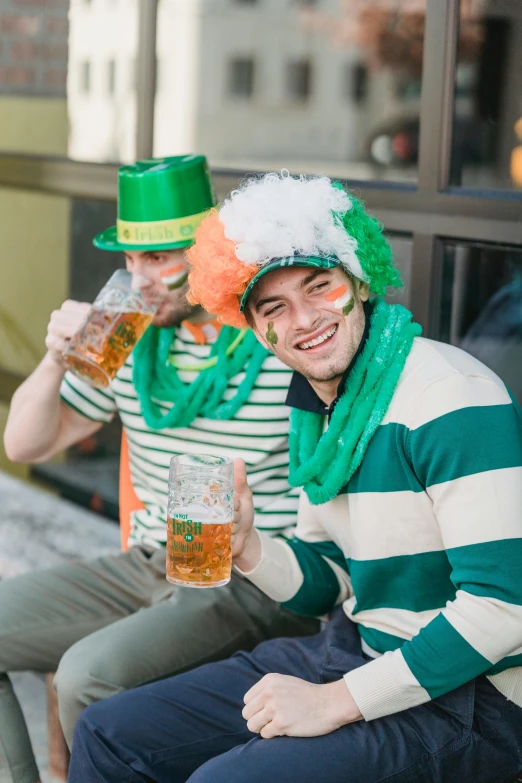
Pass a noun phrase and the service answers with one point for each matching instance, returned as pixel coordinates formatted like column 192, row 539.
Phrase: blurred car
column 396, row 142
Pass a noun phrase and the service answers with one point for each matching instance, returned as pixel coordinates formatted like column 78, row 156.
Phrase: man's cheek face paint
column 342, row 299
column 174, row 277
column 271, row 334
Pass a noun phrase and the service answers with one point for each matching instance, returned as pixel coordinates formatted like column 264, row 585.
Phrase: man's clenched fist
column 63, row 324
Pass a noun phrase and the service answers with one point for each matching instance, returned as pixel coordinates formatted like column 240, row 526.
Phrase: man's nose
column 305, row 317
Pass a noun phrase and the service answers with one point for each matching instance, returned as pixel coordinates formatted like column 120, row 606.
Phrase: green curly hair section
column 373, row 251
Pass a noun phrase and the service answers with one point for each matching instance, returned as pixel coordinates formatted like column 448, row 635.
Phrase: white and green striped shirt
column 258, row 433
column 423, row 545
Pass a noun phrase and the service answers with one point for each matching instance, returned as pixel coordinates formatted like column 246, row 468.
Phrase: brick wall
column 33, row 47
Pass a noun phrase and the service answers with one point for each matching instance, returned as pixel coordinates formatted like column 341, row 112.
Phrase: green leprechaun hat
column 161, row 202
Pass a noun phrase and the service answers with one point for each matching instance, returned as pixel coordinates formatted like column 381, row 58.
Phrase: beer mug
column 116, row 321
column 200, row 517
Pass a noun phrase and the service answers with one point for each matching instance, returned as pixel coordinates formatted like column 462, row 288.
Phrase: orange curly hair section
column 218, row 278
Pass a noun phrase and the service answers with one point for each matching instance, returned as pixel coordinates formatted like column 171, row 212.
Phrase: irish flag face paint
column 174, row 276
column 341, row 298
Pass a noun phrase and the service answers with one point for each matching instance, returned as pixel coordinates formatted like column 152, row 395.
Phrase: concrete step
column 39, row 530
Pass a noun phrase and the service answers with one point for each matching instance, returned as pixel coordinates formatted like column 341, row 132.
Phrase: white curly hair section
column 278, row 215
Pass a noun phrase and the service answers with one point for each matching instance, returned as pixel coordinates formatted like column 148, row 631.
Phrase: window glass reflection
column 317, row 86
column 487, row 131
column 482, row 307
column 402, row 257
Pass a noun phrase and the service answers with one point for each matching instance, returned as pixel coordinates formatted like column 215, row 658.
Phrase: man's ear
column 363, row 291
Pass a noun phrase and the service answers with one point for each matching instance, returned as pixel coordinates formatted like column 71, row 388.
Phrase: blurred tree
column 390, row 33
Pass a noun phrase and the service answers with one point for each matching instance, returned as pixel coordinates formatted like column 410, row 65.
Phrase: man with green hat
column 409, row 454
column 190, row 386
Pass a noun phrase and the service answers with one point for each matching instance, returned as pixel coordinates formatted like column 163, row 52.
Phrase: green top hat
column 161, row 202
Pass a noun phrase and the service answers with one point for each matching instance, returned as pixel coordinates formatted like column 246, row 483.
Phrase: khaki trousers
column 112, row 624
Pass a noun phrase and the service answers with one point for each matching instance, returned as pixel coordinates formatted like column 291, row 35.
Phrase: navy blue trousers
column 190, row 728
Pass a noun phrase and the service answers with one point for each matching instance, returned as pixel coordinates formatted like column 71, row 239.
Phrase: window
column 356, row 83
column 85, row 77
column 487, row 126
column 241, row 79
column 401, row 246
column 290, row 99
column 298, row 80
column 481, row 308
column 111, row 77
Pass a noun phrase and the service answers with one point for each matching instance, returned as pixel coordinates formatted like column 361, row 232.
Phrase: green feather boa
column 323, row 462
column 155, row 379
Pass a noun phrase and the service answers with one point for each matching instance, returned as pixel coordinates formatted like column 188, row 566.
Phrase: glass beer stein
column 116, row 321
column 200, row 517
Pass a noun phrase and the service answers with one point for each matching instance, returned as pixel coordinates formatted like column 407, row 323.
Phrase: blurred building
column 101, row 97
column 261, row 90
column 256, row 87
column 241, row 80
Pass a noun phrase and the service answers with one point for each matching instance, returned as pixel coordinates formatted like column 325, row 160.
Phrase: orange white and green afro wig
column 279, row 220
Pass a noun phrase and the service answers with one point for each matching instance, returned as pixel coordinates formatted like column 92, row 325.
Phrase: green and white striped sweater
column 424, row 545
column 258, row 433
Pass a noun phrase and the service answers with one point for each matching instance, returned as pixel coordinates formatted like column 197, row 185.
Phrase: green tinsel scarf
column 156, row 379
column 323, row 462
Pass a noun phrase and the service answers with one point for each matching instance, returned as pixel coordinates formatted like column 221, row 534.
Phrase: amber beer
column 198, row 553
column 200, row 521
column 115, row 323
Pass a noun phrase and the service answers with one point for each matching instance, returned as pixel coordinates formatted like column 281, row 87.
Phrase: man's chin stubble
column 326, row 378
column 172, row 317
column 329, row 374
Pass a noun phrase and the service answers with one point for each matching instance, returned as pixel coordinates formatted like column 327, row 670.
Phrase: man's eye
column 272, row 311
column 319, row 286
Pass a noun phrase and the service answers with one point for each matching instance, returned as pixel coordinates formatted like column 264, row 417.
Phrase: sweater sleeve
column 308, row 574
column 470, row 461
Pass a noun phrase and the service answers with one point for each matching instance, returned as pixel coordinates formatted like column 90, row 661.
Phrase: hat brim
column 280, row 263
column 108, row 240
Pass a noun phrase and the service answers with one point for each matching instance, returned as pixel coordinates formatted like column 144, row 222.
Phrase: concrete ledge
column 39, row 530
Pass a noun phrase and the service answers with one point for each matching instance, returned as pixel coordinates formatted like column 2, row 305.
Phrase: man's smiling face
column 312, row 319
